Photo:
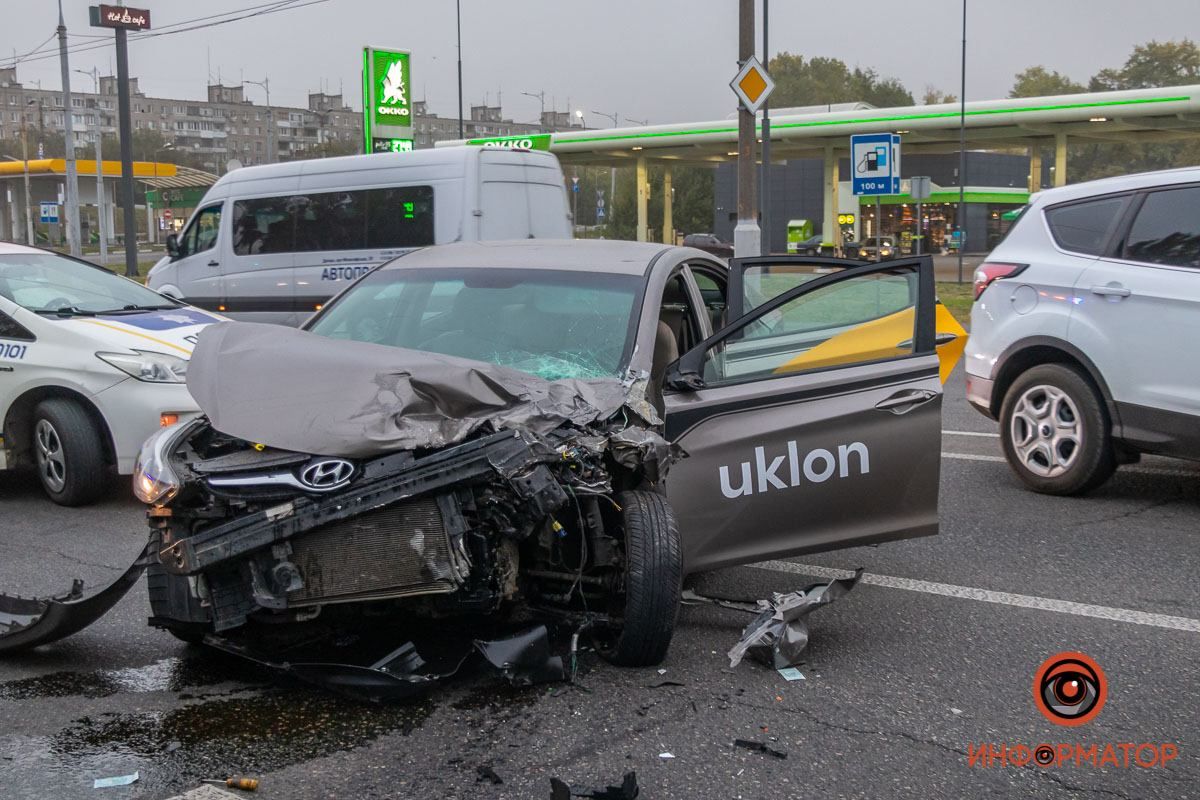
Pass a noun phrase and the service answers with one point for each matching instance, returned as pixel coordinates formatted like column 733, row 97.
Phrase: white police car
column 91, row 364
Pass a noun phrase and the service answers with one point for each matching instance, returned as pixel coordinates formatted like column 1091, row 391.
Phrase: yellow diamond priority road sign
column 752, row 85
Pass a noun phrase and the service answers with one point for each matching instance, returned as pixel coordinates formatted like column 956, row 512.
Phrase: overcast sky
column 662, row 60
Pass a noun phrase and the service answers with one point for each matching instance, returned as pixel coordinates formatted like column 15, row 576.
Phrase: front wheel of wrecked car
column 653, row 575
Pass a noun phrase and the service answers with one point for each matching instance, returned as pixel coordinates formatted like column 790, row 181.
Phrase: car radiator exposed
column 398, row 551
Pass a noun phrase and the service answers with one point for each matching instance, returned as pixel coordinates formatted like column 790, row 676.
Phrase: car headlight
column 154, row 481
column 148, row 366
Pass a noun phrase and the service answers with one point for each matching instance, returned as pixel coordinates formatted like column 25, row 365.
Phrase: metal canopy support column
column 829, row 227
column 1060, row 158
column 668, row 230
column 643, row 192
column 1035, row 168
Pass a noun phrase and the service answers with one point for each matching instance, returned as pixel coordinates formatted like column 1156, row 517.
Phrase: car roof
column 591, row 255
column 13, row 247
column 1119, row 183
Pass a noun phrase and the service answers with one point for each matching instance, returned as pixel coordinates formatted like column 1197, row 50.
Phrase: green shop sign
column 532, row 141
column 387, row 100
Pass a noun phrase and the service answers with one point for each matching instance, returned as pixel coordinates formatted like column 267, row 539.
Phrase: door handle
column 214, row 263
column 938, row 340
column 903, row 402
column 1111, row 290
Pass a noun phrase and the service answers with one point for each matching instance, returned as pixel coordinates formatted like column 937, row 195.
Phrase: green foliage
column 1153, row 64
column 1039, row 82
column 934, row 95
column 820, row 81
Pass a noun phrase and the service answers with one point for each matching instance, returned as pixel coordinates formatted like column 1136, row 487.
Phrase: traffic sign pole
column 747, row 238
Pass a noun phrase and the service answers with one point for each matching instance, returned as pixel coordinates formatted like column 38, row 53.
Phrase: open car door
column 813, row 420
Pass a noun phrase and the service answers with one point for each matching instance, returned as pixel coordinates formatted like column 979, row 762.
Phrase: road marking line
column 988, row 596
column 972, row 433
column 1182, row 471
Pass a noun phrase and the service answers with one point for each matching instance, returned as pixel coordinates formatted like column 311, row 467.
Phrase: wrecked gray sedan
column 540, row 430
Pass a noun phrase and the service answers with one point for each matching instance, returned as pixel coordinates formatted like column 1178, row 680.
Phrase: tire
column 653, row 577
column 1056, row 432
column 69, row 452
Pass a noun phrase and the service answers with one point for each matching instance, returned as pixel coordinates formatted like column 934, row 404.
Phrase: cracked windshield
column 550, row 323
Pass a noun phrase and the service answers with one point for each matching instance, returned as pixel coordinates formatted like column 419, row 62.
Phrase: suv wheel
column 1056, row 432
column 69, row 452
column 653, row 576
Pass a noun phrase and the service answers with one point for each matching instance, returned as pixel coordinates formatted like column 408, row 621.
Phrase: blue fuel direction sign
column 875, row 163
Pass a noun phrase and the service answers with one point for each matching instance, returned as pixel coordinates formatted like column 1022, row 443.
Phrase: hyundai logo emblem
column 327, row 474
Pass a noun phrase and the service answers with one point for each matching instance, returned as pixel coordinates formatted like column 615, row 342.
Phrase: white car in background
column 91, row 364
column 1085, row 328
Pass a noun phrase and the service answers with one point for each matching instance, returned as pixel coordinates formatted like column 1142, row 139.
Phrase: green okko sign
column 387, row 100
column 529, row 141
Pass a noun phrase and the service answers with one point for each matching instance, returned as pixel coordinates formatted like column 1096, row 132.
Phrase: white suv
column 1085, row 333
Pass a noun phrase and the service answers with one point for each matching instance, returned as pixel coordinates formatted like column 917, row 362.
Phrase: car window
column 53, row 284
column 1084, row 227
column 551, row 323
column 11, row 329
column 1167, row 229
column 713, row 292
column 861, row 318
column 763, row 282
column 201, row 235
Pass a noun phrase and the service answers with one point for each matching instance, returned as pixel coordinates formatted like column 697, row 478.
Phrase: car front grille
column 399, row 551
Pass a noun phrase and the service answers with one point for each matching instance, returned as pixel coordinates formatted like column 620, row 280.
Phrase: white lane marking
column 971, row 457
column 988, row 596
column 1183, row 471
column 971, row 433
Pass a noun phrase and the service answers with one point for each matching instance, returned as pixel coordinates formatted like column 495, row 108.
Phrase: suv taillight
column 990, row 271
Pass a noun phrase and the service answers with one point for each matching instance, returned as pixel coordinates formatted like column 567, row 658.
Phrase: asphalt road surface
column 930, row 657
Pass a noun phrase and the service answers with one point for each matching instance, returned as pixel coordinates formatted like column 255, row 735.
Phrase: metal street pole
column 458, row 20
column 71, row 223
column 126, row 134
column 100, row 220
column 962, row 147
column 25, row 160
column 766, row 139
column 612, row 172
column 747, row 239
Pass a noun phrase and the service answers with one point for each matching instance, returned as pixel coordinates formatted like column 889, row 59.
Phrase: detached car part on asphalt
column 508, row 434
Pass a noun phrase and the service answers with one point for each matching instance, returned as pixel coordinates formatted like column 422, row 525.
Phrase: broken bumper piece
column 778, row 633
column 524, row 659
column 26, row 622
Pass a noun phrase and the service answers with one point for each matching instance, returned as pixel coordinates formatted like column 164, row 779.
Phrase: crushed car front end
column 257, row 542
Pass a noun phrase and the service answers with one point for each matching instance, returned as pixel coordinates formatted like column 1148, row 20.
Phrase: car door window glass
column 763, row 282
column 1167, row 229
column 201, row 235
column 862, row 318
column 713, row 292
column 261, row 226
column 1084, row 227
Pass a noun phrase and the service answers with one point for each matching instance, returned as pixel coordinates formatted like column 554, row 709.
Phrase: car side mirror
column 684, row 374
column 173, row 245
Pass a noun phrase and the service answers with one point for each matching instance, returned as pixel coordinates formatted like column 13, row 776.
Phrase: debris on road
column 119, row 780
column 626, row 790
column 759, row 747
column 244, row 784
column 486, row 773
column 27, row 622
column 666, row 756
column 791, row 674
column 778, row 634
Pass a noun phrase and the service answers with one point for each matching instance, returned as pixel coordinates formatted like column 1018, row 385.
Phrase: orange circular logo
column 1069, row 689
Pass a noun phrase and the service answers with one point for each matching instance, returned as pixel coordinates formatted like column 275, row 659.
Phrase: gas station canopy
column 154, row 174
column 1142, row 115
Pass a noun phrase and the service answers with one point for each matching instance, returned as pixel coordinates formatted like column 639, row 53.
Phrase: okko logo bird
column 393, row 85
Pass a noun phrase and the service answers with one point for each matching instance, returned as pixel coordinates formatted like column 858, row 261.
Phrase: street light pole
column 541, row 96
column 71, row 223
column 458, row 24
column 25, row 159
column 612, row 171
column 100, row 221
column 747, row 238
column 962, row 147
column 273, row 155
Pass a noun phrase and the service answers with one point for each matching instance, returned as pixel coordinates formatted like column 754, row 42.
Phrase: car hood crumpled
column 298, row 391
